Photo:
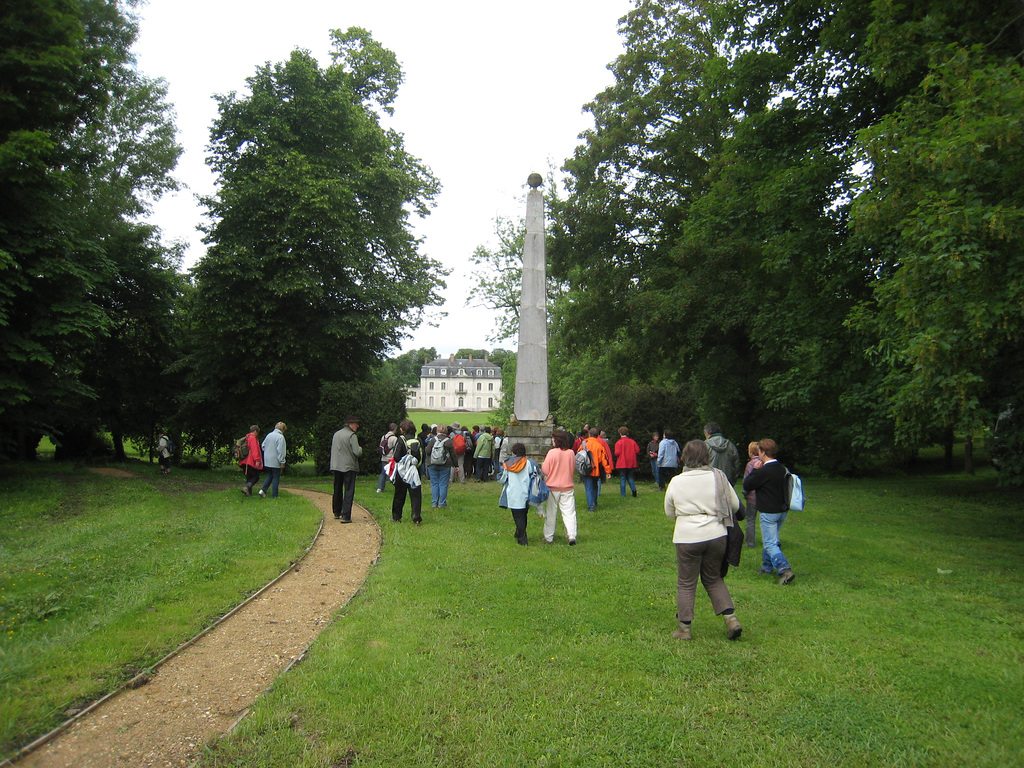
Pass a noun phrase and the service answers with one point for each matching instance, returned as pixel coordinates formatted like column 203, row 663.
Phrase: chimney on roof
column 452, row 358
column 486, row 358
column 471, row 358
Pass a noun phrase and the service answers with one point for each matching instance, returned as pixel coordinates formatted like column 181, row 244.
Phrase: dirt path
column 207, row 688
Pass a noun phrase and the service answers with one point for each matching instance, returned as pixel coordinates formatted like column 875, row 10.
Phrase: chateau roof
column 456, row 366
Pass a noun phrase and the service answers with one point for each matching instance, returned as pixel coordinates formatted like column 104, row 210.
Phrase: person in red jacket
column 626, row 451
column 252, row 462
column 601, row 467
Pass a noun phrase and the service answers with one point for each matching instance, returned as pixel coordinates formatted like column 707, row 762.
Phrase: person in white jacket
column 703, row 503
column 275, row 447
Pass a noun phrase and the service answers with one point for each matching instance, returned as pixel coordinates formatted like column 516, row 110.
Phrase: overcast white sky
column 492, row 92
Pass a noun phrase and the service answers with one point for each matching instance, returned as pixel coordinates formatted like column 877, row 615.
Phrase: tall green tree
column 404, row 370
column 312, row 271
column 944, row 210
column 86, row 143
column 641, row 311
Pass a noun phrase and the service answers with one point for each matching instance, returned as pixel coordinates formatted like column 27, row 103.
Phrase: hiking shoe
column 785, row 577
column 732, row 626
column 683, row 633
column 262, row 494
column 572, row 542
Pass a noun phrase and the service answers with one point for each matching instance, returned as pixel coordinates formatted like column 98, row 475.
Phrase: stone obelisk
column 531, row 420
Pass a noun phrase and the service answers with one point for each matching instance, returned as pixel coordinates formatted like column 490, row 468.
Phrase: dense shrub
column 377, row 405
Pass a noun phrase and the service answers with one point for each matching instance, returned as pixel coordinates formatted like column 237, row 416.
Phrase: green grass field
column 447, row 417
column 101, row 577
column 901, row 642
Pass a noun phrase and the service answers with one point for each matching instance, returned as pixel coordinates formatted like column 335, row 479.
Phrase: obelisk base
column 535, row 435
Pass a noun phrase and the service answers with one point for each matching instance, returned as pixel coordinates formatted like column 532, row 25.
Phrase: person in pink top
column 558, row 468
column 754, row 463
column 626, row 451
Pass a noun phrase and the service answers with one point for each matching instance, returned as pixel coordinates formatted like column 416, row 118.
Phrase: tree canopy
column 312, row 271
column 802, row 217
column 86, row 143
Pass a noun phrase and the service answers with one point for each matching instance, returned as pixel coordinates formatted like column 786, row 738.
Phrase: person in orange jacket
column 600, row 468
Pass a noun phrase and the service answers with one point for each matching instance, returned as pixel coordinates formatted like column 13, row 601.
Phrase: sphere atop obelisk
column 535, row 180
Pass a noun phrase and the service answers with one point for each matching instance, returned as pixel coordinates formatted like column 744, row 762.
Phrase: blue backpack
column 794, row 492
column 538, row 488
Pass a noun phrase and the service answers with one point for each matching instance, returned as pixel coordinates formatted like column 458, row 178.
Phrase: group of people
column 702, row 499
column 518, row 474
column 268, row 455
column 698, row 479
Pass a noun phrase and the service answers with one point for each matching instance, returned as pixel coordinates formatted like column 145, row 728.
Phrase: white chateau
column 456, row 385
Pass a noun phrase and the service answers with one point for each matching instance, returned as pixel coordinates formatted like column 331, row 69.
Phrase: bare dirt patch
column 205, row 689
column 112, row 472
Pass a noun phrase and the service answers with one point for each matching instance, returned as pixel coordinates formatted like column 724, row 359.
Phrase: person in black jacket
column 407, row 444
column 770, row 483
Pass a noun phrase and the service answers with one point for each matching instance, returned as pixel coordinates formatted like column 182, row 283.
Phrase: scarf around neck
column 723, row 491
column 515, row 466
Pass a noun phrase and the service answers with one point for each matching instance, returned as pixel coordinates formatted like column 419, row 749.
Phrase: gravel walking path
column 205, row 689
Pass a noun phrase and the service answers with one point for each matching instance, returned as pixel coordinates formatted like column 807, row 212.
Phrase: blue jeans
column 440, row 476
column 654, row 471
column 590, row 485
column 626, row 475
column 772, row 557
column 382, row 481
column 275, row 476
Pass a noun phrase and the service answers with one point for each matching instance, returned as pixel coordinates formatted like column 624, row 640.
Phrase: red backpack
column 459, row 443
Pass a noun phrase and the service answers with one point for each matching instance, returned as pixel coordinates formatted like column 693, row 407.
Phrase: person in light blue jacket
column 274, row 449
column 515, row 495
column 668, row 459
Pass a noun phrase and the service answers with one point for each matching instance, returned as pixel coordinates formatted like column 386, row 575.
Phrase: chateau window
column 444, row 385
column 431, row 371
column 442, row 402
column 479, row 372
column 490, row 387
column 490, row 372
column 444, row 372
column 479, row 386
column 431, row 385
column 478, row 402
column 431, row 402
column 490, row 402
column 462, row 403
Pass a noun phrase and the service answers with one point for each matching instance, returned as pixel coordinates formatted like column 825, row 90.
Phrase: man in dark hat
column 345, row 453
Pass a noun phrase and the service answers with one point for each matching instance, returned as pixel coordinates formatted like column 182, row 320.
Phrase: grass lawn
column 466, row 418
column 901, row 642
column 101, row 577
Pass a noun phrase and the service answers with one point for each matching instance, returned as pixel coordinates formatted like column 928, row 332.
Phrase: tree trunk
column 969, row 454
column 117, row 438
